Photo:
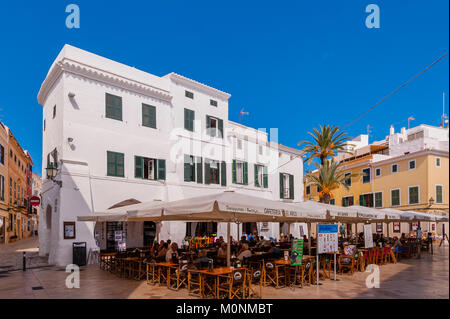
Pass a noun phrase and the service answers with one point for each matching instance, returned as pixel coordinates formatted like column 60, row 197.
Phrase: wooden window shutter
column 138, row 167
column 281, row 185
column 199, row 170
column 291, row 186
column 233, row 169
column 187, row 168
column 220, row 128
column 223, row 176
column 162, row 169
column 245, row 167
column 265, row 176
column 256, row 176
column 207, row 172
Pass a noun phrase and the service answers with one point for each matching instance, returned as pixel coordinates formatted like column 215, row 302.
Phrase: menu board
column 368, row 237
column 327, row 238
column 297, row 252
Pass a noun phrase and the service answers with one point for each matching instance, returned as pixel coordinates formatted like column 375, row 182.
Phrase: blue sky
column 292, row 64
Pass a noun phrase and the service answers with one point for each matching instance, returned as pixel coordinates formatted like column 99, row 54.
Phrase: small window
column 239, row 172
column 412, row 164
column 2, row 154
column 113, row 107
column 115, row 164
column 348, row 179
column 213, row 103
column 366, row 175
column 189, row 117
column 332, row 201
column 347, row 201
column 145, row 168
column 214, row 126
column 395, row 197
column 189, row 94
column 148, row 116
column 54, row 111
column 439, row 195
column 413, row 195
column 378, row 199
column 378, row 172
column 438, row 162
column 189, row 168
column 394, row 168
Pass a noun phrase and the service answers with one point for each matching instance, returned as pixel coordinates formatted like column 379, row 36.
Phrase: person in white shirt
column 245, row 252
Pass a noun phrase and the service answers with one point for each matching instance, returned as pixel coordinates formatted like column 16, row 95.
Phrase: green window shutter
column 361, row 200
column 291, row 186
column 199, row 170
column 220, row 128
column 187, row 168
column 223, row 176
column 138, row 167
column 281, row 186
column 148, row 115
column 233, row 169
column 113, row 107
column 162, row 169
column 207, row 173
column 256, row 176
column 208, row 128
column 189, row 116
column 265, row 176
column 245, row 168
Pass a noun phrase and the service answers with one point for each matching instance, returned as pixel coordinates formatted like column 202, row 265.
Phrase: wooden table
column 215, row 273
column 163, row 271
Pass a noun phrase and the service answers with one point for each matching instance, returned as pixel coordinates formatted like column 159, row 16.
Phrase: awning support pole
column 228, row 245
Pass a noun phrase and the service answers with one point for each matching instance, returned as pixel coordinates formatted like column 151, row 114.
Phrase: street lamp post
column 52, row 171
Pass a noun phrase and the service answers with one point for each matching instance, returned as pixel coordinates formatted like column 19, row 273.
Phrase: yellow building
column 406, row 171
column 4, row 198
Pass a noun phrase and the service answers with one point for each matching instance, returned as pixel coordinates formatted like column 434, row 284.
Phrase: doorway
column 149, row 233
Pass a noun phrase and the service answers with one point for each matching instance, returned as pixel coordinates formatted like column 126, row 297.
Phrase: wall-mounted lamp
column 431, row 201
column 52, row 170
column 71, row 95
column 70, row 139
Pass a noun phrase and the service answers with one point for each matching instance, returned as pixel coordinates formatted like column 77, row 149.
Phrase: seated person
column 244, row 252
column 274, row 249
column 222, row 252
column 172, row 250
column 202, row 257
column 162, row 251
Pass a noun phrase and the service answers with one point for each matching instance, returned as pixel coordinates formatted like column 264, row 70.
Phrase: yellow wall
column 426, row 175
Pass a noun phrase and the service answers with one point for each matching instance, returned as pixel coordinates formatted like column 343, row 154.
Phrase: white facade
column 76, row 125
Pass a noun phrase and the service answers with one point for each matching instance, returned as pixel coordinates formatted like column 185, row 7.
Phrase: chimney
column 392, row 130
column 403, row 131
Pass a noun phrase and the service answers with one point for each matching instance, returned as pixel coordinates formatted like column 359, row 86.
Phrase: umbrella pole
column 309, row 239
column 356, row 232
column 228, row 245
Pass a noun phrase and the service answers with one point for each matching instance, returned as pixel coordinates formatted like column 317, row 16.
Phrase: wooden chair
column 233, row 285
column 348, row 262
column 177, row 277
column 274, row 274
column 254, row 278
column 151, row 271
column 381, row 256
column 194, row 283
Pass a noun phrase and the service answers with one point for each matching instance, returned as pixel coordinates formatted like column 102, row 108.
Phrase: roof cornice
column 84, row 70
column 197, row 85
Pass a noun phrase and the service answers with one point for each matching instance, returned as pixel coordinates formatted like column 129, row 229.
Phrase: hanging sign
column 327, row 238
column 379, row 227
column 368, row 237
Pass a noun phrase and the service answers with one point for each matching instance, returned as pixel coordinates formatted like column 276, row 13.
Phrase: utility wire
column 379, row 102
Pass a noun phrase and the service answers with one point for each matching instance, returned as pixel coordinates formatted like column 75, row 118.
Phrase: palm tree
column 328, row 177
column 328, row 140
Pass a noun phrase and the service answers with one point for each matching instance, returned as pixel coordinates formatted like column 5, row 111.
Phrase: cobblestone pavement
column 427, row 277
column 11, row 255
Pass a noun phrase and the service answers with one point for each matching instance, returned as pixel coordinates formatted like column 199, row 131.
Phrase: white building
column 117, row 133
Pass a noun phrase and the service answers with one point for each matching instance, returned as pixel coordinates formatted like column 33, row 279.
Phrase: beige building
column 36, row 191
column 406, row 171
